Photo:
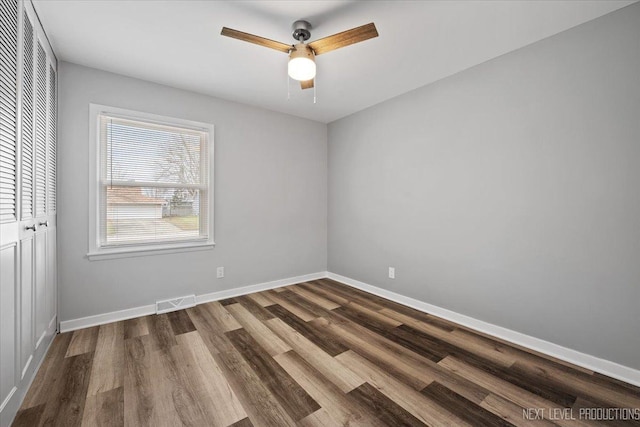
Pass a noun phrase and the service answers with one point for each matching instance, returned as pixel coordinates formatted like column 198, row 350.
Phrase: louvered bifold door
column 9, row 246
column 8, row 110
column 28, row 289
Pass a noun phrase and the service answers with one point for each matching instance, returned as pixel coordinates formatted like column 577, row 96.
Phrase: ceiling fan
column 302, row 65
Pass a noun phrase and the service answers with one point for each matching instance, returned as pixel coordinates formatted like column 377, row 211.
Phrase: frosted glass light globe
column 301, row 63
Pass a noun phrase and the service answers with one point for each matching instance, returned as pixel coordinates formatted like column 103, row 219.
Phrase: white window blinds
column 154, row 182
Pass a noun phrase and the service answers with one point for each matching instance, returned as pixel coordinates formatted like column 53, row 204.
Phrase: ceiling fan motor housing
column 302, row 50
column 301, row 29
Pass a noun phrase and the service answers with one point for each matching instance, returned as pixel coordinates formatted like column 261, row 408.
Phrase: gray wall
column 270, row 198
column 508, row 192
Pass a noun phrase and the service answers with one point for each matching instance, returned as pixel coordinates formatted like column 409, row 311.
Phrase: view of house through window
column 154, row 185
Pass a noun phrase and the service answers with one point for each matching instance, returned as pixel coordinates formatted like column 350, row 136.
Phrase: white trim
column 101, row 319
column 26, row 367
column 235, row 292
column 44, row 334
column 606, row 367
column 96, row 251
column 8, row 399
column 130, row 313
column 135, row 251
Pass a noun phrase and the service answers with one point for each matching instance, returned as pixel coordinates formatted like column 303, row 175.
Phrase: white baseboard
column 235, row 292
column 101, row 319
column 606, row 367
column 144, row 310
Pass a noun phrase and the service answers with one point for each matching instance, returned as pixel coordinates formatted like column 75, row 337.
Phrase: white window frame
column 96, row 251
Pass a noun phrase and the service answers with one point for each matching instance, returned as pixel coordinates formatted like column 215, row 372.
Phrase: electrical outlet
column 220, row 272
column 392, row 273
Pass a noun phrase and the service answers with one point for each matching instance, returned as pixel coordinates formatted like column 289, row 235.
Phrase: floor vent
column 174, row 304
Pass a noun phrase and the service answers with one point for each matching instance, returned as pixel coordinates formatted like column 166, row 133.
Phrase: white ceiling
column 178, row 43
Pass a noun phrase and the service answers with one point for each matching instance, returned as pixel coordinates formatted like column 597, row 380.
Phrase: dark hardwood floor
column 317, row 353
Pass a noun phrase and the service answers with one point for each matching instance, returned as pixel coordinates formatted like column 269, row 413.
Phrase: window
column 152, row 183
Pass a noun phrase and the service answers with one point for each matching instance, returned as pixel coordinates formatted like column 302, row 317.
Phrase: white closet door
column 51, row 220
column 8, row 200
column 27, row 331
column 44, row 279
column 28, row 113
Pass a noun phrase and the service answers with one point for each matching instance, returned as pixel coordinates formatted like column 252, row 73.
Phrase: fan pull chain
column 314, row 89
column 288, row 87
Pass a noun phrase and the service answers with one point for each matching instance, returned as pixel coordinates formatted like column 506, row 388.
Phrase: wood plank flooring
column 313, row 354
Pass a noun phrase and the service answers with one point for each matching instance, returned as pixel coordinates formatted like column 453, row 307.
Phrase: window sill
column 136, row 251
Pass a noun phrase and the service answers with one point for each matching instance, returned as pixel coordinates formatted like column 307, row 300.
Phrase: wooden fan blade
column 345, row 38
column 229, row 32
column 306, row 84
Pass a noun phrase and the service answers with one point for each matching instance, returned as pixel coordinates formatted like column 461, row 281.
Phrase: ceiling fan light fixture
column 302, row 57
column 302, row 64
